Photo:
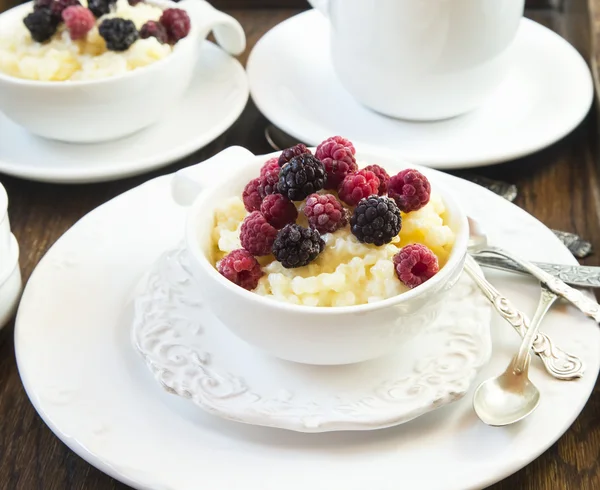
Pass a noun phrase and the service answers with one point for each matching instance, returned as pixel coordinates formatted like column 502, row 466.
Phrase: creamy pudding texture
column 347, row 272
column 62, row 58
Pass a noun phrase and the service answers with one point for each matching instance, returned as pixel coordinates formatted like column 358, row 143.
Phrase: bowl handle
column 227, row 30
column 188, row 182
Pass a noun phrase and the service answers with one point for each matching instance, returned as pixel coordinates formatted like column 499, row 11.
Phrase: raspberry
column 325, row 213
column 278, row 211
column 41, row 24
column 383, row 177
column 337, row 155
column 357, row 186
column 154, row 29
column 410, row 189
column 376, row 220
column 58, row 6
column 294, row 151
column 119, row 34
column 415, row 264
column 78, row 21
column 241, row 268
column 41, row 4
column 100, row 7
column 257, row 235
column 296, row 246
column 177, row 23
column 269, row 176
column 251, row 196
column 301, row 176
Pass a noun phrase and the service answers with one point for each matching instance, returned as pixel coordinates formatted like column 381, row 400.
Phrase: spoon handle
column 558, row 363
column 587, row 305
column 547, row 298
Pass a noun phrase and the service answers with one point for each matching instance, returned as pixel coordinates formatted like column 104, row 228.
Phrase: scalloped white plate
column 545, row 96
column 216, row 98
column 225, row 376
column 73, row 347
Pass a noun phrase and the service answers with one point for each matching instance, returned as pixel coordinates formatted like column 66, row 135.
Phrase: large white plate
column 545, row 96
column 216, row 98
column 89, row 385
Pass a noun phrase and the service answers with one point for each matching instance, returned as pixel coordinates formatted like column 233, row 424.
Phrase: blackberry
column 296, row 246
column 119, row 34
column 41, row 24
column 100, row 7
column 41, row 4
column 376, row 220
column 302, row 176
column 58, row 6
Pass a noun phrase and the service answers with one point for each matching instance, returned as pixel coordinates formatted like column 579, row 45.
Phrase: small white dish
column 436, row 365
column 308, row 334
column 4, row 226
column 94, row 111
column 545, row 96
column 10, row 282
column 219, row 88
column 91, row 387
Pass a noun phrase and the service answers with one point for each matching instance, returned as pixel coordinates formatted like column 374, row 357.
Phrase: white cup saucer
column 547, row 93
column 203, row 361
column 216, row 97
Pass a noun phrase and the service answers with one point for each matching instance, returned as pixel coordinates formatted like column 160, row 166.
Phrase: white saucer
column 214, row 101
column 547, row 94
column 88, row 383
column 227, row 377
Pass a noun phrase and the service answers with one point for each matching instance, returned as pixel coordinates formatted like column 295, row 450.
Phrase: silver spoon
column 557, row 362
column 511, row 397
column 478, row 245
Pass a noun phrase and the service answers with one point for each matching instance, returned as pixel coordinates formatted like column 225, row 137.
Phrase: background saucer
column 216, row 98
column 545, row 96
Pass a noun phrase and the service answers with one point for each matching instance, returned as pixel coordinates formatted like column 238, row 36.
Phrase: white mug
column 421, row 59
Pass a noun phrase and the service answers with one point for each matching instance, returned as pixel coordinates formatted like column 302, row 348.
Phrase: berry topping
column 296, row 246
column 357, row 186
column 278, row 211
column 337, row 155
column 133, row 3
column 251, row 195
column 100, row 7
column 376, row 220
column 415, row 264
column 269, row 176
column 294, row 151
column 325, row 213
column 177, row 23
column 154, row 29
column 58, row 6
column 41, row 24
column 257, row 235
column 410, row 189
column 383, row 177
column 119, row 34
column 41, row 4
column 301, row 176
column 78, row 21
column 241, row 268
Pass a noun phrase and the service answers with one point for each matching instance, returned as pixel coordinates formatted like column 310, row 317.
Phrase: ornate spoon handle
column 585, row 304
column 558, row 363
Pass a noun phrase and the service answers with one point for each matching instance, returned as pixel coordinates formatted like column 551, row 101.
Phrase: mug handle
column 227, row 30
column 320, row 5
column 188, row 182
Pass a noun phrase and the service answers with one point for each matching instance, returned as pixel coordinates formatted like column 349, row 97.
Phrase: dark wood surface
column 558, row 185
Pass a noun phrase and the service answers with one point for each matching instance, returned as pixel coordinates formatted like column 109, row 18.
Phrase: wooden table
column 558, row 185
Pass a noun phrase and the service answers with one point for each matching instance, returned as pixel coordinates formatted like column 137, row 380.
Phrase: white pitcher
column 421, row 59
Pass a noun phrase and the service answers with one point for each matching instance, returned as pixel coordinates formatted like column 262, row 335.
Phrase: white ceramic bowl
column 111, row 108
column 4, row 225
column 313, row 335
column 10, row 282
